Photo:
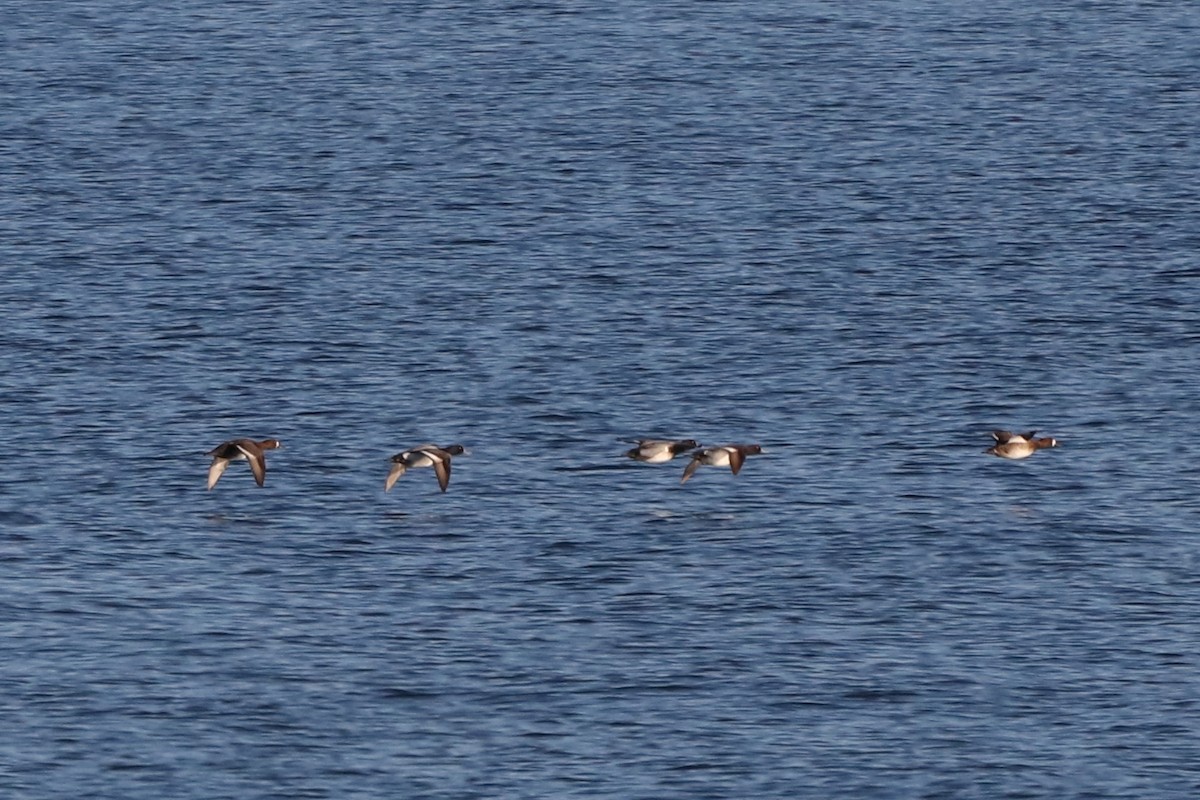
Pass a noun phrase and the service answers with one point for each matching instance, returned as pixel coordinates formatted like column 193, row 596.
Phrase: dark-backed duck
column 726, row 455
column 241, row 450
column 424, row 455
column 657, row 451
column 1018, row 445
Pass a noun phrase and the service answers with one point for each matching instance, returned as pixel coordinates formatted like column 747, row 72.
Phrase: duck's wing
column 216, row 470
column 258, row 464
column 736, row 459
column 441, row 467
column 394, row 475
column 258, row 461
column 690, row 470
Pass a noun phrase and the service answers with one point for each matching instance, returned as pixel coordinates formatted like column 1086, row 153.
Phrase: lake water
column 862, row 235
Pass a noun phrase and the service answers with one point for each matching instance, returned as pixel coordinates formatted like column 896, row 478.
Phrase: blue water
column 862, row 235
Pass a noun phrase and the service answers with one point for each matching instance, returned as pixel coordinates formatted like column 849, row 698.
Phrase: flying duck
column 726, row 455
column 1018, row 445
column 657, row 451
column 424, row 455
column 241, row 450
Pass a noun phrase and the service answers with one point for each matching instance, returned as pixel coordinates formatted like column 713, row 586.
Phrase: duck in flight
column 1018, row 445
column 658, row 451
column 725, row 455
column 424, row 455
column 241, row 450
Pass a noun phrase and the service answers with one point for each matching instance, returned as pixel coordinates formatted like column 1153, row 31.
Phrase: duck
column 725, row 455
column 241, row 450
column 658, row 451
column 1018, row 445
column 424, row 455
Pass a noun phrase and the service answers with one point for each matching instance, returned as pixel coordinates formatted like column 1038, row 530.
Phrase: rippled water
column 862, row 236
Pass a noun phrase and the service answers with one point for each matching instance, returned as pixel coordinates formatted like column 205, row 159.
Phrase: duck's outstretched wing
column 216, row 470
column 394, row 474
column 441, row 467
column 258, row 462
